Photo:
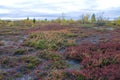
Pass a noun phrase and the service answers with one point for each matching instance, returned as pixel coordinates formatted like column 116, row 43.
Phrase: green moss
column 57, row 65
column 49, row 55
column 19, row 52
column 71, row 35
column 80, row 77
column 54, row 57
column 1, row 77
column 108, row 61
column 30, row 66
column 73, row 75
column 5, row 61
column 32, row 60
column 41, row 44
column 17, row 75
column 8, row 62
column 1, row 43
column 49, row 40
column 83, row 35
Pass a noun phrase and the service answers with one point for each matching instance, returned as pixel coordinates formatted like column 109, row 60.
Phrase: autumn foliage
column 99, row 62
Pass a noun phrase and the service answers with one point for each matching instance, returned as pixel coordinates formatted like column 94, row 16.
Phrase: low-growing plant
column 1, row 43
column 73, row 75
column 98, row 61
column 50, row 40
column 61, row 64
column 19, row 52
column 9, row 62
column 71, row 35
column 49, row 55
column 31, row 60
column 55, row 75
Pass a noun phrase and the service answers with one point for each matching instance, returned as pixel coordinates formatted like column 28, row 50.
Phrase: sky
column 41, row 9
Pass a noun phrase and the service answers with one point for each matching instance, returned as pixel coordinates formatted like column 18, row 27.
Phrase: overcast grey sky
column 54, row 8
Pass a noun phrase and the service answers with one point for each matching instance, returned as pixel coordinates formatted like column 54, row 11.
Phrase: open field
column 51, row 51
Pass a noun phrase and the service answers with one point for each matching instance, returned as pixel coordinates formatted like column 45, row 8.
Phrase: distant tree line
column 84, row 19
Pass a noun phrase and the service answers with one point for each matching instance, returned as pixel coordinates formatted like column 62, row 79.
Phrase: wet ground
column 9, row 43
column 94, row 39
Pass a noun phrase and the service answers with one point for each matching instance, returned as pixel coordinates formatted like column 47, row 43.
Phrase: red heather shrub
column 109, row 46
column 80, row 52
column 90, row 50
column 100, row 62
column 110, row 72
column 73, row 75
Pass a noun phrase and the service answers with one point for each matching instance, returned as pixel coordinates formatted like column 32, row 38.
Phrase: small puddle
column 25, row 77
column 72, row 64
column 110, row 28
column 13, row 42
column 103, row 28
column 91, row 39
column 61, row 50
column 94, row 39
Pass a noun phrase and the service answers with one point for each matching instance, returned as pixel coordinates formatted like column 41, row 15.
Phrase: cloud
column 54, row 8
column 106, row 4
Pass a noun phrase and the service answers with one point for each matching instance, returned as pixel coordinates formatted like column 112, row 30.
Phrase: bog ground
column 52, row 51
